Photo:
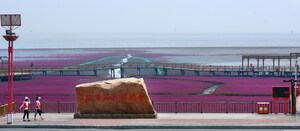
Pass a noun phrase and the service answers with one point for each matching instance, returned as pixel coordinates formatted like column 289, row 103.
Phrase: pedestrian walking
column 38, row 108
column 25, row 106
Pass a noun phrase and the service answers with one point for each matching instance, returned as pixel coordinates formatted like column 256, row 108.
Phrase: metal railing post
column 226, row 107
column 58, row 106
column 43, row 106
column 176, row 107
column 253, row 106
column 14, row 107
column 201, row 109
column 271, row 107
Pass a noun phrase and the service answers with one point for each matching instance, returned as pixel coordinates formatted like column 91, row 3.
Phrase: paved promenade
column 164, row 121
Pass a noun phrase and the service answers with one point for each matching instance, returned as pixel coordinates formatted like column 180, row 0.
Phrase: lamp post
column 10, row 22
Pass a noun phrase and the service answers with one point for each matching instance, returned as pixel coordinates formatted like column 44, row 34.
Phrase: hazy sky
column 156, row 16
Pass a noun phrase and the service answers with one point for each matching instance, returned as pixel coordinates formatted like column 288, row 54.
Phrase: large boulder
column 118, row 96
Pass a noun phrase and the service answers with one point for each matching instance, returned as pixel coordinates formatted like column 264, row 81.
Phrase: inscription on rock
column 118, row 96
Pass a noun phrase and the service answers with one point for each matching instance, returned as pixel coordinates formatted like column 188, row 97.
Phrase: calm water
column 223, row 55
column 152, row 40
column 200, row 55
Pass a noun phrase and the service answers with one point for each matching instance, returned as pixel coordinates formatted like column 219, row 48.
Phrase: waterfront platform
column 164, row 121
column 160, row 69
column 17, row 76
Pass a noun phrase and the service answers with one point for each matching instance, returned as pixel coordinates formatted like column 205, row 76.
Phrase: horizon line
column 158, row 47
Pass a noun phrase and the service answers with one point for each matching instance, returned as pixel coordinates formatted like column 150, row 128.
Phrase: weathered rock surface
column 118, row 96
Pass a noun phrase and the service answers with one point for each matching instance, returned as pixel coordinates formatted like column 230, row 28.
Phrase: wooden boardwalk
column 158, row 69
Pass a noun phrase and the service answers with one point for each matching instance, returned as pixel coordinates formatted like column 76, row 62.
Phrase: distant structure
column 264, row 57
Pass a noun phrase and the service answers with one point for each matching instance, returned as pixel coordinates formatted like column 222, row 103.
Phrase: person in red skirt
column 38, row 108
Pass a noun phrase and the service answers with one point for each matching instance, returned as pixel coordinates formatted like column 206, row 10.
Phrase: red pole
column 10, row 77
column 10, row 37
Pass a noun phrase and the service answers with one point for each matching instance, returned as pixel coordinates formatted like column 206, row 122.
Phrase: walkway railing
column 175, row 107
column 216, row 107
column 153, row 65
column 135, row 69
column 4, row 109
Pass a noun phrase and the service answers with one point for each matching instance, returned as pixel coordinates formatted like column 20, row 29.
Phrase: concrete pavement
column 164, row 121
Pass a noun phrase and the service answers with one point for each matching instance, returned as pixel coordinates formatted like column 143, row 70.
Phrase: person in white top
column 25, row 106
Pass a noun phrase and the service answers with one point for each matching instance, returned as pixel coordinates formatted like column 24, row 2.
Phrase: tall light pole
column 10, row 22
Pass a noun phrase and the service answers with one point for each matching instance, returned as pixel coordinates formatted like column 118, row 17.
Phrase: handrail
column 156, row 64
column 169, row 107
column 4, row 109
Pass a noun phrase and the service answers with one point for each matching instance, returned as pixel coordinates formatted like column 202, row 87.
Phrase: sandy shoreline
column 79, row 56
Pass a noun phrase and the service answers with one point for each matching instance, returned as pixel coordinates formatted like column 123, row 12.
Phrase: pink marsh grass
column 169, row 88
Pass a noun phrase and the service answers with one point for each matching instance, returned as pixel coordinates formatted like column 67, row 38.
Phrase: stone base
column 114, row 116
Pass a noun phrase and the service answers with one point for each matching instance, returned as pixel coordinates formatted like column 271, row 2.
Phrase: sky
column 156, row 16
column 149, row 23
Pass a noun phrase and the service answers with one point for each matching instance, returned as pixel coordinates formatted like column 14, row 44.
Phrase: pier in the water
column 263, row 65
column 130, row 69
